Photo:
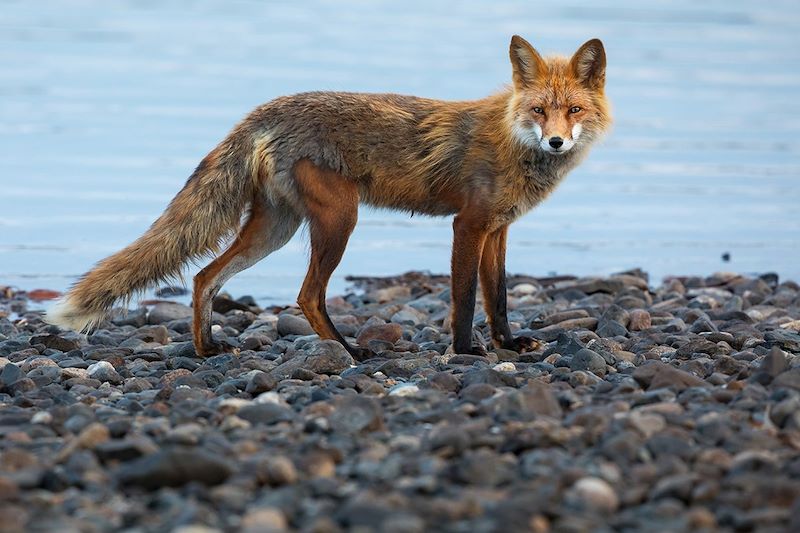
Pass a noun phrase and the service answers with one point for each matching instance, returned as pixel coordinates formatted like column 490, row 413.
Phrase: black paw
column 215, row 347
column 523, row 344
column 475, row 349
column 360, row 354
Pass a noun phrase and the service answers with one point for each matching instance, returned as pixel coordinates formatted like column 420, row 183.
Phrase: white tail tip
column 67, row 315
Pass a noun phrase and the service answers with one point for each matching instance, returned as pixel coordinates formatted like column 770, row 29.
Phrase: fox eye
column 538, row 110
column 575, row 109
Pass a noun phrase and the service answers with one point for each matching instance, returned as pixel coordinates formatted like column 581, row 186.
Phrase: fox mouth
column 556, row 151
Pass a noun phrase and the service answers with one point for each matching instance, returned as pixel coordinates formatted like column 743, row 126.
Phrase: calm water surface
column 106, row 107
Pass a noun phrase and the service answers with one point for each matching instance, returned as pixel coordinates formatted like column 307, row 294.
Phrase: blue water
column 106, row 107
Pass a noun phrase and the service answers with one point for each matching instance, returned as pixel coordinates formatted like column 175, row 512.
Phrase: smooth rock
column 104, row 371
column 595, row 494
column 174, row 467
column 386, row 332
column 166, row 311
column 289, row 324
column 590, row 360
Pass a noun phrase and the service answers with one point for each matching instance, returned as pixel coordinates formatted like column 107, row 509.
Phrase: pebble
column 505, row 367
column 293, row 325
column 390, row 333
column 174, row 467
column 167, row 311
column 586, row 359
column 277, row 471
column 264, row 520
column 404, row 389
column 664, row 408
column 595, row 494
column 328, row 357
column 104, row 371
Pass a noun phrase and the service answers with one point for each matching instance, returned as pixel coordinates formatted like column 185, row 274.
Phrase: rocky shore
column 669, row 408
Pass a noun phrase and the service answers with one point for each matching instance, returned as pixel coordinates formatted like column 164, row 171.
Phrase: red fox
column 313, row 157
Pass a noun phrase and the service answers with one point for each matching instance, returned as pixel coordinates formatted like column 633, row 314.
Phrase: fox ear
column 526, row 62
column 589, row 64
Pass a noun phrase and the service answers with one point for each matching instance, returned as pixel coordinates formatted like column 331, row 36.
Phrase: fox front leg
column 493, row 285
column 469, row 235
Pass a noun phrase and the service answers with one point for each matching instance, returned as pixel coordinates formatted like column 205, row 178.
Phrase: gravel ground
column 674, row 408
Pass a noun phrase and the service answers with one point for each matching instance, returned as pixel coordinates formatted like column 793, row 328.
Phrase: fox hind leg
column 331, row 202
column 267, row 229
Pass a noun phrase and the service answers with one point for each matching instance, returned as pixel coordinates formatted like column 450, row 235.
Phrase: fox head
column 557, row 103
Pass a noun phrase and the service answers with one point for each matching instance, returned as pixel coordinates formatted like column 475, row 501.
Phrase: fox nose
column 556, row 142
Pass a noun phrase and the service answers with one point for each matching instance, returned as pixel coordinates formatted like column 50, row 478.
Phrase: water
column 106, row 107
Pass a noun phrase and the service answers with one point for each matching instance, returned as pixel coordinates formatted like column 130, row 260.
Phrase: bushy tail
column 202, row 214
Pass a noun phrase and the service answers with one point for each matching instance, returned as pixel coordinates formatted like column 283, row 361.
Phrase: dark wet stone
column 467, row 359
column 303, row 374
column 483, row 467
column 175, row 467
column 104, row 372
column 266, row 413
column 251, row 343
column 356, row 414
column 445, row 381
column 261, row 382
column 784, row 339
column 567, row 343
column 156, row 333
column 611, row 328
column 124, row 450
column 789, row 378
column 179, row 350
column 328, row 357
column 10, row 374
column 56, row 342
column 527, row 403
column 589, row 286
column 206, row 378
column 74, row 362
column 276, row 471
column 184, row 363
column 403, row 367
column 488, row 376
column 586, row 359
column 8, row 347
column 695, row 346
column 136, row 385
column 21, row 386
column 655, row 375
column 390, row 333
column 223, row 304
column 477, row 392
column 447, row 440
column 222, row 363
column 289, row 324
column 166, row 311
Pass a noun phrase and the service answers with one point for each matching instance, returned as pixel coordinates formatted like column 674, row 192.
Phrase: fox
column 314, row 157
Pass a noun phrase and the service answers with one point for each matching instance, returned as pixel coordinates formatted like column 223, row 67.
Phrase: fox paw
column 360, row 354
column 475, row 349
column 215, row 347
column 523, row 344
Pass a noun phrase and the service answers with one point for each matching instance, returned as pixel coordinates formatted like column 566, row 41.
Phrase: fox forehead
column 557, row 87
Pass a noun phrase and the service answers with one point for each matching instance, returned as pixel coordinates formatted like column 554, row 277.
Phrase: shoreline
column 669, row 407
